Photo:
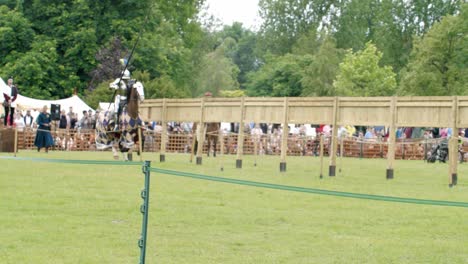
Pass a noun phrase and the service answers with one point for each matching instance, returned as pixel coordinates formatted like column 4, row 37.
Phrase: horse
column 129, row 124
column 211, row 135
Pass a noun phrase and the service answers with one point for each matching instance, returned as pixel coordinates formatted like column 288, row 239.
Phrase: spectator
column 369, row 134
column 92, row 119
column 70, row 113
column 28, row 119
column 443, row 132
column 85, row 122
column 186, row 127
column 73, row 120
column 64, row 120
column 435, row 132
column 43, row 137
column 408, row 131
column 19, row 121
column 264, row 128
column 10, row 94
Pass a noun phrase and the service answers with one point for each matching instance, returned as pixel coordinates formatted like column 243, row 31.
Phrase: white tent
column 25, row 103
column 106, row 106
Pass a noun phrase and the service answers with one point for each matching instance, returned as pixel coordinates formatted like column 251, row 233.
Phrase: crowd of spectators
column 68, row 131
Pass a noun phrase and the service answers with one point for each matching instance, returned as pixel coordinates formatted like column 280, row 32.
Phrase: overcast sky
column 228, row 11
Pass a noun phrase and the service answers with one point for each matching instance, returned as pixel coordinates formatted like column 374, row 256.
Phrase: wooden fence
column 391, row 112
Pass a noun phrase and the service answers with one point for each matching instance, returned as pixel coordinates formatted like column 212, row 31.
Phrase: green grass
column 71, row 213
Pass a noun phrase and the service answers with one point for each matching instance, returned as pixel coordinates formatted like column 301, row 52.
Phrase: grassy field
column 71, row 213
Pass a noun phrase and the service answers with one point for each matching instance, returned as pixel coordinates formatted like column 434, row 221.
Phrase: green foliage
column 101, row 93
column 285, row 21
column 217, row 71
column 318, row 77
column 439, row 64
column 78, row 30
column 232, row 93
column 16, row 34
column 55, row 46
column 37, row 69
column 280, row 76
column 161, row 87
column 360, row 74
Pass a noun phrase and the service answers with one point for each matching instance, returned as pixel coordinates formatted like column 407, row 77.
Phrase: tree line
column 302, row 48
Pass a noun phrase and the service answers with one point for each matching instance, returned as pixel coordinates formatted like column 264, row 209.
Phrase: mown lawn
column 72, row 213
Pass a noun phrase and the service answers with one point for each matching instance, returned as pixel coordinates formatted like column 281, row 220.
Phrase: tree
column 81, row 30
column 16, row 34
column 218, row 72
column 360, row 74
column 389, row 24
column 242, row 51
column 439, row 61
column 280, row 76
column 284, row 21
column 36, row 69
column 319, row 75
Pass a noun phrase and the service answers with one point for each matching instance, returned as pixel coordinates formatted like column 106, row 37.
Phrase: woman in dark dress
column 43, row 137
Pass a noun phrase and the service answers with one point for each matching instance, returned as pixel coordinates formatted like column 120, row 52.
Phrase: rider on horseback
column 121, row 99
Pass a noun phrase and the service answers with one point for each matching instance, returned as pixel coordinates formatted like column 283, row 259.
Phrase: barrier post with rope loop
column 453, row 145
column 284, row 137
column 391, row 139
column 201, row 132
column 334, row 139
column 221, row 149
column 240, row 136
column 164, row 137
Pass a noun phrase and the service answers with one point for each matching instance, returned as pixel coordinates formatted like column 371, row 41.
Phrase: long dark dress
column 43, row 137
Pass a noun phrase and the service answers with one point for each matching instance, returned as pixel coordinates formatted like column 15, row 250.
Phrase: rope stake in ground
column 313, row 191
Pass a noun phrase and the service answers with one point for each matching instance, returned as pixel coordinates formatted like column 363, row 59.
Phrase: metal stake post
column 144, row 210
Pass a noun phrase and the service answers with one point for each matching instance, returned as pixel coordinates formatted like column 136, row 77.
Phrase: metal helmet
column 126, row 75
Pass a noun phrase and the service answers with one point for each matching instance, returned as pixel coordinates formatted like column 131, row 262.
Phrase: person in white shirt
column 19, row 121
column 10, row 93
column 28, row 119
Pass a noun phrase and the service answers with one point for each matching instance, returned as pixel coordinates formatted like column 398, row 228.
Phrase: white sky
column 229, row 11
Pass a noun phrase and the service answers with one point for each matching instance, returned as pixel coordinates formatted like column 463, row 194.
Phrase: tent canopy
column 24, row 103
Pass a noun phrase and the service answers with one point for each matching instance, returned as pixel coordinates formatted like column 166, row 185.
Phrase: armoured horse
column 127, row 136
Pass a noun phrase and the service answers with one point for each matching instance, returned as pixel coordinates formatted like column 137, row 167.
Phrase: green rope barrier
column 255, row 184
column 313, row 191
column 89, row 162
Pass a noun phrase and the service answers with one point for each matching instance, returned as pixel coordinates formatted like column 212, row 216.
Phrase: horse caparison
column 128, row 132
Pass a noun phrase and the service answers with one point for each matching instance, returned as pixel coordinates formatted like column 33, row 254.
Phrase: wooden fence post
column 201, row 132
column 240, row 136
column 391, row 138
column 221, row 149
column 334, row 139
column 453, row 145
column 284, row 138
column 164, row 136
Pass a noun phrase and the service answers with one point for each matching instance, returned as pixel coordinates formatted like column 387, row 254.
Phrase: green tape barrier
column 313, row 191
column 255, row 184
column 89, row 162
